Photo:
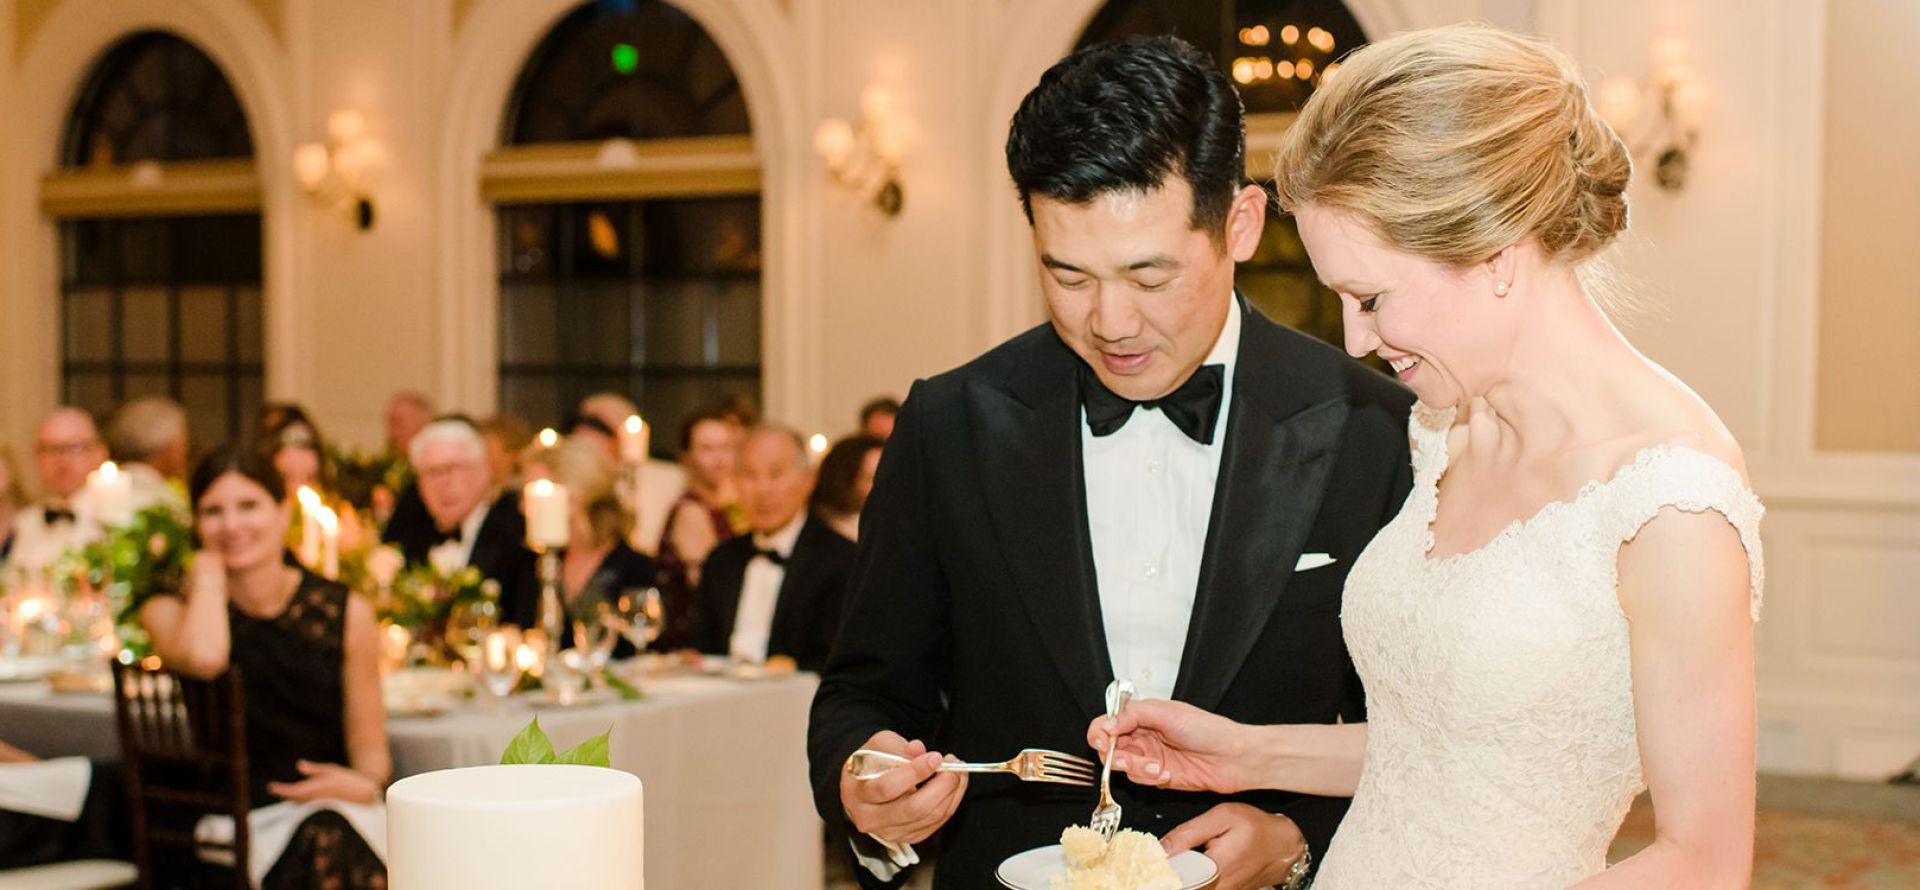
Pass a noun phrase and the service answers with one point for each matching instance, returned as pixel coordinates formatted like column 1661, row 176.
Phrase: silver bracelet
column 1297, row 875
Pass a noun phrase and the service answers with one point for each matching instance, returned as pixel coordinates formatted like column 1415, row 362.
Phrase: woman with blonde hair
column 597, row 563
column 1560, row 615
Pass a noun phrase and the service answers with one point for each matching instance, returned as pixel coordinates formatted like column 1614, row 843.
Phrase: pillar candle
column 547, row 514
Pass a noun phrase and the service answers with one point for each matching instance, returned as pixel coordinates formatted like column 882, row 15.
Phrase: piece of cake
column 1132, row 860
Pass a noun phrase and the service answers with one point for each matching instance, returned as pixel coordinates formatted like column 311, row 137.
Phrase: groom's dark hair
column 1118, row 117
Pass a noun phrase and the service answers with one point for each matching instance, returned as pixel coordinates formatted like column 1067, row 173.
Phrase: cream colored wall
column 857, row 304
column 1870, row 267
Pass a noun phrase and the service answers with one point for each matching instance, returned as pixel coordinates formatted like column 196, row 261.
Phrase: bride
column 1560, row 615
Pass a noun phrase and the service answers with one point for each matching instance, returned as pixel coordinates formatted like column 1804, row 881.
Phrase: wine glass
column 499, row 663
column 467, row 627
column 595, row 632
column 642, row 616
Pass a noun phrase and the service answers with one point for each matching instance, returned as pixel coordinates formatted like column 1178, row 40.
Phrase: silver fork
column 1106, row 816
column 1031, row 765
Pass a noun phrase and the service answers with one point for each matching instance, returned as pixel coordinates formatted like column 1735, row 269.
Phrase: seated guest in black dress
column 777, row 591
column 307, row 652
column 596, row 565
column 468, row 520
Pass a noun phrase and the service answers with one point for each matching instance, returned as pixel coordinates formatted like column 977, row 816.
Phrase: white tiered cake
column 515, row 827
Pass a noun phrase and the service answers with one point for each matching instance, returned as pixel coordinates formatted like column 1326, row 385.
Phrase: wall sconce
column 865, row 156
column 1677, row 98
column 332, row 172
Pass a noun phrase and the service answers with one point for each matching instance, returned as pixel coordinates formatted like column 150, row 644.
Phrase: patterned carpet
column 1819, row 834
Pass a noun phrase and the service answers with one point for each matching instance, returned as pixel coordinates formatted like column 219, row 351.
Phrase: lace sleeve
column 1695, row 482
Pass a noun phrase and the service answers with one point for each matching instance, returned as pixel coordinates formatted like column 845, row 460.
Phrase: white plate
column 1034, row 869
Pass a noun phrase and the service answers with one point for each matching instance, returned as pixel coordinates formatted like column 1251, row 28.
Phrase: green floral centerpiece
column 128, row 564
column 429, row 599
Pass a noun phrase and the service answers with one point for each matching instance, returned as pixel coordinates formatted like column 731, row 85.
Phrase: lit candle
column 549, row 438
column 329, row 523
column 112, row 494
column 817, row 447
column 547, row 520
column 309, row 527
column 633, row 441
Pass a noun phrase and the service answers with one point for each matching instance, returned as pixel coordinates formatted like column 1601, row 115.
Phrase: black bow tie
column 772, row 555
column 440, row 537
column 54, row 515
column 1193, row 407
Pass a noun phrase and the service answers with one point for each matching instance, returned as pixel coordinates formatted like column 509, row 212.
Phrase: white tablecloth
column 724, row 762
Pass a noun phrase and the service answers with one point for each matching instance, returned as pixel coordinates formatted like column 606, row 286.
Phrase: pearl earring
column 1499, row 288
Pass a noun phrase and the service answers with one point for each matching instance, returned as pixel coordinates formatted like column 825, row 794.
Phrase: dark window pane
column 154, row 96
column 203, row 324
column 89, row 325
column 90, row 392
column 637, row 69
column 145, row 330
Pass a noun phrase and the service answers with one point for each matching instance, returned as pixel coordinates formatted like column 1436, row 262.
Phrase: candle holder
column 553, row 616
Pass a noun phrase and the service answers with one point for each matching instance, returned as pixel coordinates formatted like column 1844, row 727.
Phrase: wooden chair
column 184, row 742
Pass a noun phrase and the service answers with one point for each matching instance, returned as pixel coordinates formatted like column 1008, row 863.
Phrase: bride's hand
column 1169, row 744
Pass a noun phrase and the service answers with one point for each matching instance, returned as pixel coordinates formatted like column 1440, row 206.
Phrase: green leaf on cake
column 592, row 752
column 530, row 746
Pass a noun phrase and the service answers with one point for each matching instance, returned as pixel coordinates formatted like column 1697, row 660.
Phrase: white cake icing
column 516, row 828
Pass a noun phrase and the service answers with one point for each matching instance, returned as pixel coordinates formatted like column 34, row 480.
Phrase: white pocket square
column 1312, row 561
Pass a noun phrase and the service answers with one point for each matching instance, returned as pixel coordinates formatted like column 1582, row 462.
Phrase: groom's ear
column 1246, row 220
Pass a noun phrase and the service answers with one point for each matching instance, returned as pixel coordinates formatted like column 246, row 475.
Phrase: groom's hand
column 906, row 804
column 1253, row 848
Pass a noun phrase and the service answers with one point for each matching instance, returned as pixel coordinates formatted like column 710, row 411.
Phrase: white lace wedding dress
column 1500, row 739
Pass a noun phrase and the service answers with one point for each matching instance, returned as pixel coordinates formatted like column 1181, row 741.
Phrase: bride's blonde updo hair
column 1455, row 142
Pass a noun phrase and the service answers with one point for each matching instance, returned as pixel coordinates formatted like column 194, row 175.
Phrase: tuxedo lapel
column 1282, row 431
column 1026, row 436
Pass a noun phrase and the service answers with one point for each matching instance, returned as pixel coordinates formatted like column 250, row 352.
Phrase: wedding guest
column 307, row 651
column 60, row 810
column 469, row 522
column 13, row 499
column 408, row 412
column 845, row 480
column 292, row 442
column 661, row 481
column 596, row 565
column 299, row 454
column 876, row 417
column 778, row 590
column 66, row 449
column 148, row 438
column 709, row 445
column 593, row 431
column 507, row 438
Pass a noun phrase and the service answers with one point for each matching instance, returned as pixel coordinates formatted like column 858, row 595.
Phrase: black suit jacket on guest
column 807, row 614
column 973, row 620
column 499, row 550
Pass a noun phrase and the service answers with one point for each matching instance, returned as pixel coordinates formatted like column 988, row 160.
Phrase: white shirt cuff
column 883, row 858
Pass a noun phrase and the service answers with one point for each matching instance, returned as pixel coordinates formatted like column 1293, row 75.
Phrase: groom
column 1161, row 485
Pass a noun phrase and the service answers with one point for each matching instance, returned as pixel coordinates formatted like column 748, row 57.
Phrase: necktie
column 53, row 515
column 1193, row 407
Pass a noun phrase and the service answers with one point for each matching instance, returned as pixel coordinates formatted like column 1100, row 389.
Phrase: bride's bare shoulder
column 1666, row 411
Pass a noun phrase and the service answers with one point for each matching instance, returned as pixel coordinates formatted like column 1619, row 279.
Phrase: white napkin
column 1312, row 561
column 273, row 827
column 54, row 789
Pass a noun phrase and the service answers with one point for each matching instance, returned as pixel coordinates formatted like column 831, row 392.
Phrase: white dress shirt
column 1149, row 503
column 760, row 592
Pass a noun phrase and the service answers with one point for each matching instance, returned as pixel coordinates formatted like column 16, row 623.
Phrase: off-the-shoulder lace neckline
column 1513, row 529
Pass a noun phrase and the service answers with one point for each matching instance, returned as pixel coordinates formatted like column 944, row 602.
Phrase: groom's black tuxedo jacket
column 973, row 620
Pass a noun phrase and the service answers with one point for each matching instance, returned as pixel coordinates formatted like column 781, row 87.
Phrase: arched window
column 1276, row 52
column 158, row 207
column 628, row 200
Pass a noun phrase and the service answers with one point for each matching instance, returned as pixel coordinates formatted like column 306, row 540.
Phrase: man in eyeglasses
column 66, row 448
